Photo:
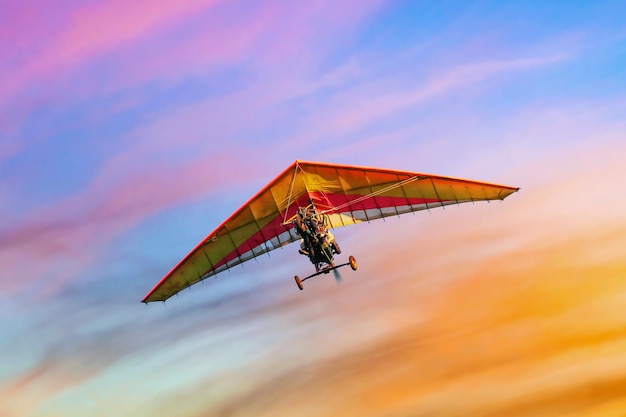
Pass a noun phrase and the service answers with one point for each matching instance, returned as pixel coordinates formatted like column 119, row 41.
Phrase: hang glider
column 307, row 200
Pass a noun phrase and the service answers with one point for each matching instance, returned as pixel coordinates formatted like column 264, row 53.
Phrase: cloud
column 64, row 236
column 505, row 338
column 536, row 326
column 159, row 165
column 93, row 30
column 51, row 67
column 474, row 324
column 152, row 48
column 366, row 102
column 509, row 308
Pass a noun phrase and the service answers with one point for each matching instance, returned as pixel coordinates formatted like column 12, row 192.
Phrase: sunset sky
column 130, row 130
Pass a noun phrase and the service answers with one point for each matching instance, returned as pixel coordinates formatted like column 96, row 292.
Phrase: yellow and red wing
column 347, row 194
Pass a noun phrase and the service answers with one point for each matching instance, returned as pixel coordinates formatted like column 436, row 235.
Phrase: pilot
column 303, row 231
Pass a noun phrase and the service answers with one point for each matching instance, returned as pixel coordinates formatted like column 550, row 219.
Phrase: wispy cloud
column 371, row 102
column 64, row 236
column 91, row 31
column 88, row 56
column 506, row 308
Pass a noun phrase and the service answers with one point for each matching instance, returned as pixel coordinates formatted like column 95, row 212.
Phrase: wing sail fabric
column 348, row 194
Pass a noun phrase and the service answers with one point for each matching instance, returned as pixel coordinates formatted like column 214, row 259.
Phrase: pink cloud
column 59, row 241
column 267, row 36
column 104, row 26
column 145, row 41
column 101, row 27
column 56, row 51
column 53, row 57
column 78, row 36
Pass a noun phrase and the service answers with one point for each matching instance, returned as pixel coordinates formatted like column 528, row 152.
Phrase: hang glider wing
column 347, row 194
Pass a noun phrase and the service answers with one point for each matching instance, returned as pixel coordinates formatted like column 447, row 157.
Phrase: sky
column 130, row 130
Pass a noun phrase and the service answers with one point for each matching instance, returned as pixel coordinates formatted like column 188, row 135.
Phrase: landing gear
column 353, row 263
column 335, row 247
column 325, row 270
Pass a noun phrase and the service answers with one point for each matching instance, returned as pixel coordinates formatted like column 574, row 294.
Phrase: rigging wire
column 293, row 181
column 347, row 204
column 372, row 194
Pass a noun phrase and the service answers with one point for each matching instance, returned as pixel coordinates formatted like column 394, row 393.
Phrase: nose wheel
column 351, row 261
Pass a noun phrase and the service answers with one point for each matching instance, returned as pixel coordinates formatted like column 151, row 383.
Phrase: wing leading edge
column 347, row 194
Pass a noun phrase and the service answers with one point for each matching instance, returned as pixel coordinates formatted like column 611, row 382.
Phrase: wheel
column 353, row 263
column 299, row 282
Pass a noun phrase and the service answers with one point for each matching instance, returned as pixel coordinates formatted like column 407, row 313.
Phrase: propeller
column 337, row 276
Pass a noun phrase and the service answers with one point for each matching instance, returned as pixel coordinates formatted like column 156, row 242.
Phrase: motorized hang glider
column 307, row 200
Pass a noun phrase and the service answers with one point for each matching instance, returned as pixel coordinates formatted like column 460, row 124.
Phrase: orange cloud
column 508, row 337
column 485, row 310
